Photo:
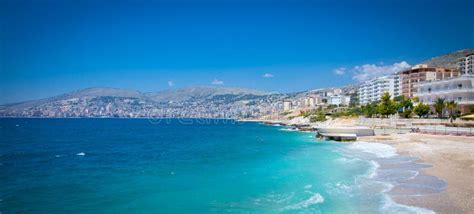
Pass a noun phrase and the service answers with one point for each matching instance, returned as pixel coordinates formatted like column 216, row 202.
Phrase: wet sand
column 452, row 159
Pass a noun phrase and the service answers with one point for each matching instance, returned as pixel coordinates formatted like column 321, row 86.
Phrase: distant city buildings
column 309, row 101
column 287, row 104
column 339, row 100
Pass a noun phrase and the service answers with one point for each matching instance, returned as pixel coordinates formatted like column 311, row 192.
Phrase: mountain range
column 114, row 102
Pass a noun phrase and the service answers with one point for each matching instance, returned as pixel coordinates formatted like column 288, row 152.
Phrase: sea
column 81, row 165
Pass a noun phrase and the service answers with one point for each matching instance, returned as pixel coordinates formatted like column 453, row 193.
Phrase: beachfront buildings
column 466, row 64
column 372, row 90
column 421, row 73
column 459, row 89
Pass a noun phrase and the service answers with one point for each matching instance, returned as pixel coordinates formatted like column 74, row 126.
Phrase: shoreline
column 450, row 158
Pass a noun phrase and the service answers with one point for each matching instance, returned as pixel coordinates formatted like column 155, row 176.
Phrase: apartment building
column 372, row 90
column 459, row 89
column 287, row 105
column 466, row 64
column 339, row 100
column 421, row 73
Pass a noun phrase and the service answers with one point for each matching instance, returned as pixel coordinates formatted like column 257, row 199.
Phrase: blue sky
column 51, row 47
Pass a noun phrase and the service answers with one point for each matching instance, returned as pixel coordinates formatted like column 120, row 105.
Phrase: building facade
column 421, row 73
column 459, row 89
column 287, row 105
column 339, row 100
column 466, row 64
column 372, row 90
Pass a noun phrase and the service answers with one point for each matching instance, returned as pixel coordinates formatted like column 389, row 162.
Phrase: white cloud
column 217, row 82
column 370, row 71
column 340, row 71
column 170, row 83
column 267, row 75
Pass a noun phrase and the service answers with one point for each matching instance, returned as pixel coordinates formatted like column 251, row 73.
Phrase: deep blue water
column 141, row 166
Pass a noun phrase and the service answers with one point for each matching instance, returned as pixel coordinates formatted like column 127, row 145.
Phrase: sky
column 51, row 47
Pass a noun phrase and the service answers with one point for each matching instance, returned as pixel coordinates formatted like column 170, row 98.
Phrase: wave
column 391, row 206
column 378, row 149
column 81, row 154
column 288, row 129
column 373, row 170
column 316, row 198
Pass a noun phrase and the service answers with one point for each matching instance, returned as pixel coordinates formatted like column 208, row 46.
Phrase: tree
column 318, row 117
column 369, row 110
column 386, row 106
column 404, row 106
column 451, row 106
column 439, row 106
column 422, row 110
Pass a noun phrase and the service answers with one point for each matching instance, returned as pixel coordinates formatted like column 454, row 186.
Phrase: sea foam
column 391, row 206
column 378, row 149
column 316, row 198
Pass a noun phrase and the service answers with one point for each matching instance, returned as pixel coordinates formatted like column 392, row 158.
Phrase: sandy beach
column 452, row 159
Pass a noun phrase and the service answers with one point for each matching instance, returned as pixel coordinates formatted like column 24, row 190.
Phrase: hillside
column 448, row 60
column 203, row 101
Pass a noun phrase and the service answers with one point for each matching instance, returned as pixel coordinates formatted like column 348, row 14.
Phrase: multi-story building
column 397, row 85
column 339, row 100
column 459, row 89
column 287, row 105
column 421, row 73
column 309, row 101
column 372, row 90
column 466, row 64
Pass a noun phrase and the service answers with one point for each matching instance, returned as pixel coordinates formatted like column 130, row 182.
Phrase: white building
column 287, row 105
column 309, row 101
column 397, row 85
column 459, row 89
column 339, row 100
column 466, row 64
column 372, row 90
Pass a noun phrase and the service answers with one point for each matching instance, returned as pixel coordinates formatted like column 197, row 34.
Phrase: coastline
column 450, row 159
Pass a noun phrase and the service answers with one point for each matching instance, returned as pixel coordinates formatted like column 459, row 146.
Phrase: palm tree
column 451, row 106
column 439, row 106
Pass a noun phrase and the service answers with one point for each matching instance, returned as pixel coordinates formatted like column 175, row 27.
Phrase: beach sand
column 452, row 159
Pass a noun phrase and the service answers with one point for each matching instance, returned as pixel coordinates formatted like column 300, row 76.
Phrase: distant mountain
column 87, row 92
column 201, row 92
column 448, row 60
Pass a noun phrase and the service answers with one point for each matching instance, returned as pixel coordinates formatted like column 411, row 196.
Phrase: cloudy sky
column 50, row 47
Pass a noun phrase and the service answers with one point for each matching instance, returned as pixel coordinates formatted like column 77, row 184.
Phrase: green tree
column 318, row 117
column 386, row 106
column 404, row 106
column 369, row 110
column 451, row 106
column 422, row 110
column 439, row 106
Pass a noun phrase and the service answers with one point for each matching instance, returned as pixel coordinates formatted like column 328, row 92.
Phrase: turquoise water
column 195, row 166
